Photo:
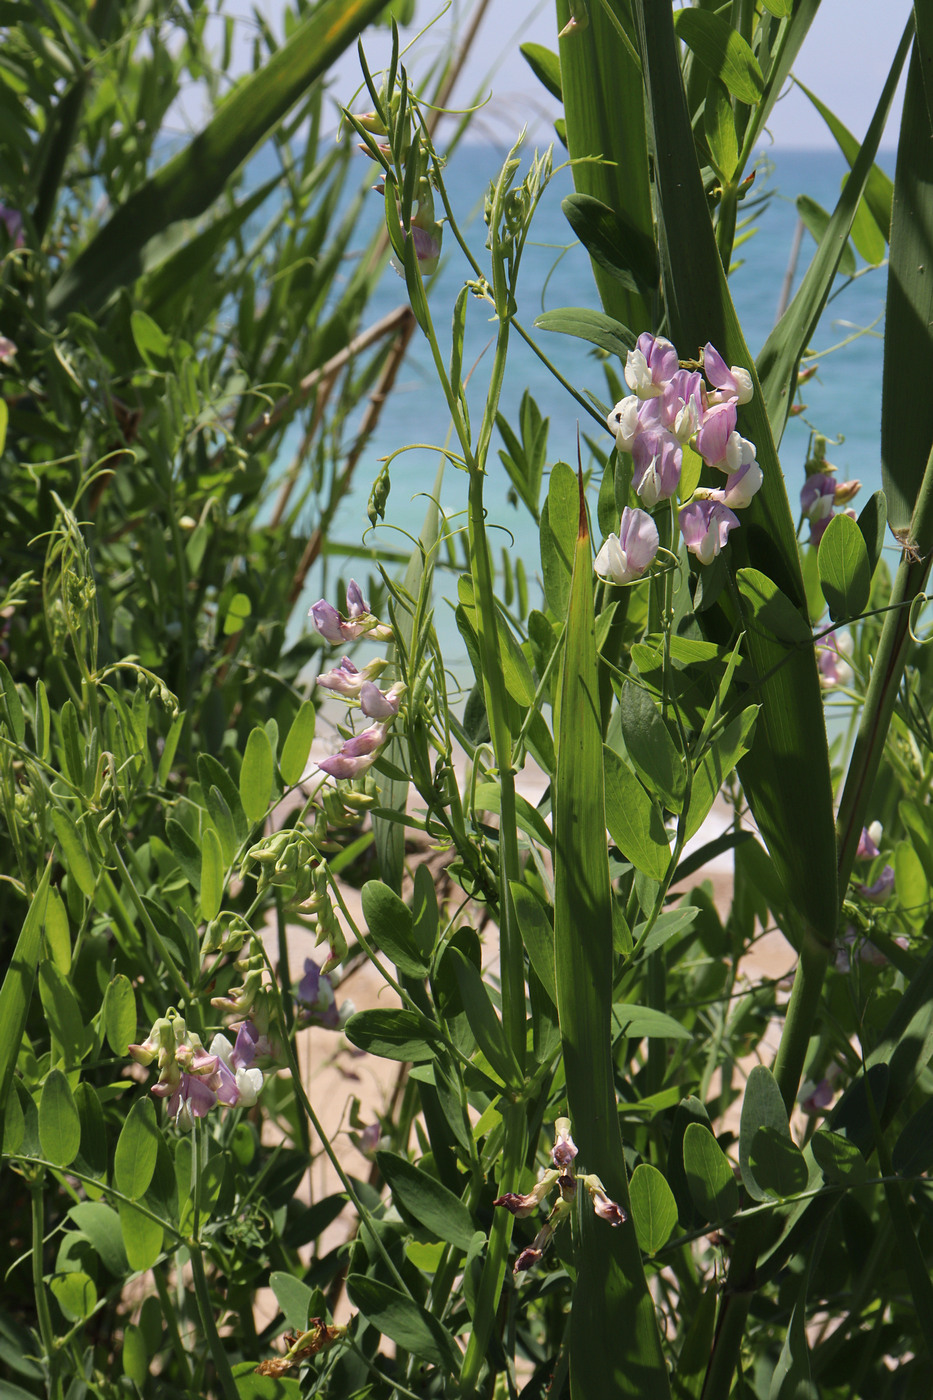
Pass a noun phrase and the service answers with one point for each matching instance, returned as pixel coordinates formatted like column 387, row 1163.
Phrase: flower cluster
column 560, row 1174
column 359, row 751
column 671, row 407
column 194, row 1079
column 821, row 493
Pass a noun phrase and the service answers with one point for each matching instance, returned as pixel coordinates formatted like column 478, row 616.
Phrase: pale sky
column 844, row 60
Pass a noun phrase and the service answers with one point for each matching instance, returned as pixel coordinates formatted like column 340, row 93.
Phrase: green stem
column 218, row 1351
column 46, row 1330
column 801, row 1016
column 180, row 985
column 170, row 1318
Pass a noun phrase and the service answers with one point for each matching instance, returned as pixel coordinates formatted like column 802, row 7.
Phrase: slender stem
column 180, row 984
column 218, row 1351
column 46, row 1330
column 170, row 1318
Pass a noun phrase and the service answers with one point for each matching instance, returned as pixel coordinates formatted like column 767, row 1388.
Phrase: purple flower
column 625, row 556
column 868, row 842
column 316, row 996
column 527, row 1259
column 12, row 220
column 817, row 498
column 682, row 405
column 344, row 679
column 564, row 1149
column 714, row 433
column 335, row 629
column 192, row 1098
column 427, row 246
column 831, row 660
column 603, row 1206
column 705, row 526
column 657, row 456
column 734, row 383
column 379, row 704
column 521, row 1206
column 357, row 605
column 820, row 1098
column 650, row 365
column 356, row 754
column 7, row 350
column 741, row 486
column 882, row 888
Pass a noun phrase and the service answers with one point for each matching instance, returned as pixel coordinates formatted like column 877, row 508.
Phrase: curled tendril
column 916, row 607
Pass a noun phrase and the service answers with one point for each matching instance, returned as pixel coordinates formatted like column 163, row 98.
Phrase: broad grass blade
column 615, row 1348
column 601, row 86
column 190, row 182
column 907, row 415
column 786, row 776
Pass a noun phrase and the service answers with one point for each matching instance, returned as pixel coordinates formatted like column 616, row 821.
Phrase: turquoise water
column 843, row 400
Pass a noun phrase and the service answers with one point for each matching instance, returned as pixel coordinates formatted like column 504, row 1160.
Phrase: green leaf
column 777, row 1164
column 18, row 982
column 137, row 1147
column 395, row 1035
column 404, row 1322
column 151, row 341
column 427, row 1200
column 297, row 745
column 557, row 538
column 58, row 932
column 845, row 570
column 74, row 852
column 762, row 1107
column 257, row 775
column 840, row 1160
column 690, row 1110
column 64, row 1016
column 134, row 237
column 817, row 220
column 614, row 1344
column 14, row 1126
column 709, row 1175
column 119, row 1014
column 75, row 1294
column 135, row 1354
column 594, row 326
column 873, row 522
column 719, row 125
column 391, row 924
column 545, row 65
column 43, row 721
column 537, row 932
column 879, row 187
column 212, row 873
column 634, row 819
column 142, row 1237
column 911, row 884
column 715, row 766
column 59, row 1125
column 93, row 1155
column 14, row 706
column 238, row 614
column 907, row 416
column 294, row 1298
column 650, row 746
column 654, row 1209
column 639, row 1022
column 613, row 243
column 482, row 1018
column 101, row 1225
column 722, row 50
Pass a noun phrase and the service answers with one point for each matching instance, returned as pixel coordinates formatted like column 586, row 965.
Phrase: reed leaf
column 615, row 1347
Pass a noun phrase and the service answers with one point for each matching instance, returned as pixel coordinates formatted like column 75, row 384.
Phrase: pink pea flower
column 357, row 605
column 650, row 365
column 881, row 889
column 657, row 456
column 714, row 433
column 846, row 491
column 868, row 846
column 741, row 487
column 359, row 622
column 681, row 404
column 603, row 1206
column 739, row 453
column 7, row 350
column 191, row 1099
column 315, row 995
column 357, row 753
column 347, row 679
column 817, row 498
column 831, row 660
column 625, row 556
column 705, row 526
column 380, row 704
column 732, row 383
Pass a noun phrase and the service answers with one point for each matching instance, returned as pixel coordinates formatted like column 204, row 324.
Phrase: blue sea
column 843, row 399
